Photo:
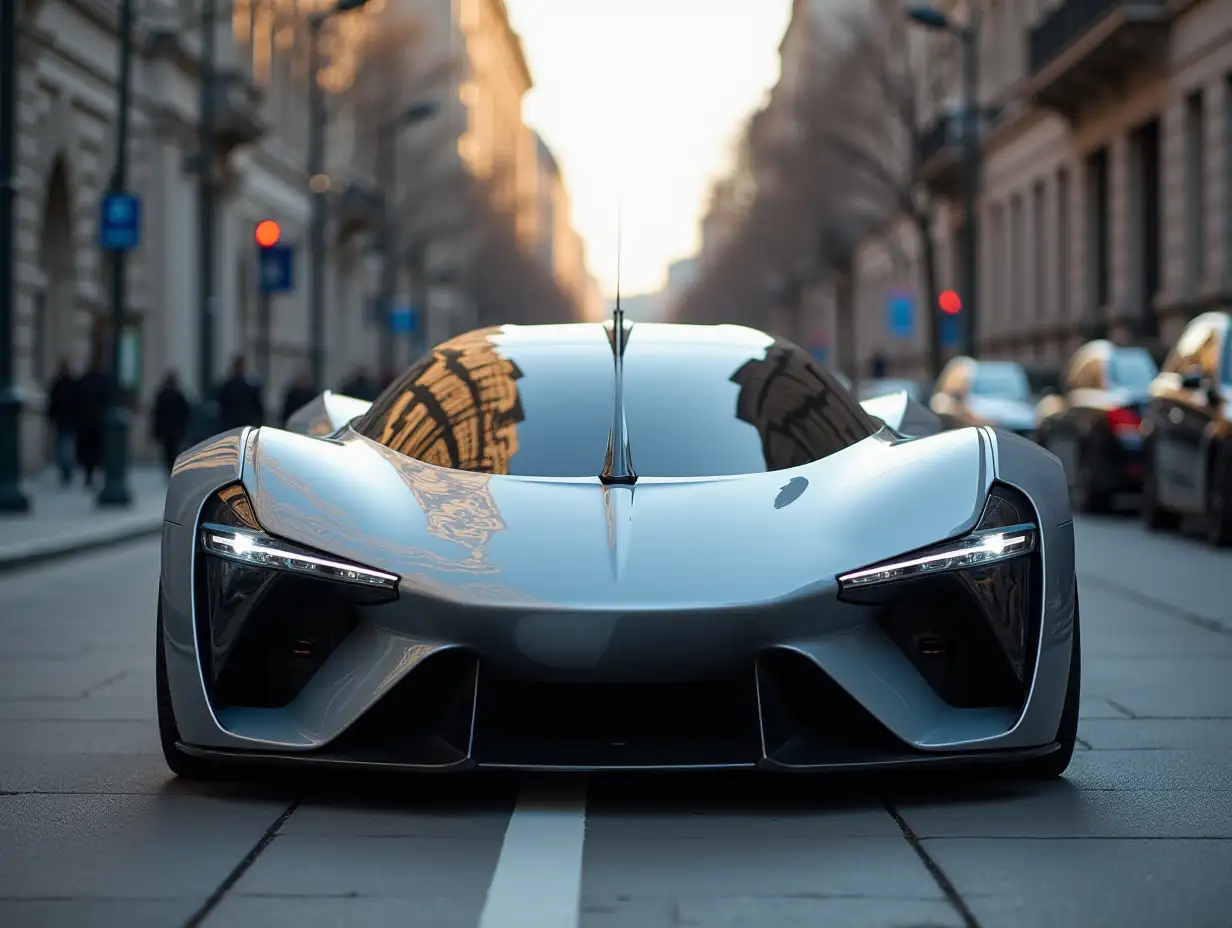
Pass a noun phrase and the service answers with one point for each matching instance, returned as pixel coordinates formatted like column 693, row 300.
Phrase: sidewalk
column 67, row 520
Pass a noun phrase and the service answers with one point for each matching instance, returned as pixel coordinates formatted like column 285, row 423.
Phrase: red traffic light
column 950, row 302
column 268, row 233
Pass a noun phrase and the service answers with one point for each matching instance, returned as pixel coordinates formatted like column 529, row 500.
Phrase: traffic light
column 950, row 302
column 268, row 233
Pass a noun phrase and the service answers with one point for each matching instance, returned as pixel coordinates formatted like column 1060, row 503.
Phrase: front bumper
column 846, row 665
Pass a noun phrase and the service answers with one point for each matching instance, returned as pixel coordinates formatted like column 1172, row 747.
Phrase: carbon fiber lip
column 968, row 758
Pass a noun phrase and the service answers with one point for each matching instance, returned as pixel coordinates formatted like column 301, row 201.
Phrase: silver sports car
column 616, row 546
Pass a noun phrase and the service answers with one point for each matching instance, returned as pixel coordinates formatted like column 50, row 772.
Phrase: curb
column 16, row 556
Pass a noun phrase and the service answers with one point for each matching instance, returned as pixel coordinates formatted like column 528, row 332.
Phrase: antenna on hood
column 618, row 465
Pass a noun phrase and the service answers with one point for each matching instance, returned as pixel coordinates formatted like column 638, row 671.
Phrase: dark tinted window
column 719, row 408
column 695, row 404
column 1131, row 367
column 480, row 403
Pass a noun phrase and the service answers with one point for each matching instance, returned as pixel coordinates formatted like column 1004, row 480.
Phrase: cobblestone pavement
column 95, row 832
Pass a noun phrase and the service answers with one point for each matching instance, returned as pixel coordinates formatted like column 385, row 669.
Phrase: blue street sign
column 119, row 222
column 949, row 330
column 900, row 313
column 403, row 320
column 277, row 268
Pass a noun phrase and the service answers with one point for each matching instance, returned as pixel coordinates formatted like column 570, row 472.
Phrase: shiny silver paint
column 565, row 579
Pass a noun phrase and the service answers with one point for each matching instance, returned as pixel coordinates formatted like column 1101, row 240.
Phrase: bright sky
column 641, row 100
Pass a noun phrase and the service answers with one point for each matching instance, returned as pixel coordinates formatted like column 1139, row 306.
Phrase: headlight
column 978, row 549
column 1005, row 531
column 965, row 611
column 260, row 550
column 270, row 612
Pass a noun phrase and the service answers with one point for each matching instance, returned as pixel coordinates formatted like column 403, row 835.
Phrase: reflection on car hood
column 1006, row 413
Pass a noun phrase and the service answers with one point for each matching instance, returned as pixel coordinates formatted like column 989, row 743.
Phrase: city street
column 94, row 831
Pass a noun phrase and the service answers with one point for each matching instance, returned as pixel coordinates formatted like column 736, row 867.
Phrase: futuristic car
column 614, row 546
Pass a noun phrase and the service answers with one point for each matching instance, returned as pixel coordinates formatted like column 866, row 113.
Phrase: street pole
column 971, row 183
column 115, row 464
column 207, row 412
column 12, row 499
column 265, row 362
column 316, row 171
column 387, row 179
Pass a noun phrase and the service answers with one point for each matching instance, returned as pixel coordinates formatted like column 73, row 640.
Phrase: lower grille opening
column 809, row 720
column 425, row 720
column 267, row 644
column 940, row 627
column 616, row 725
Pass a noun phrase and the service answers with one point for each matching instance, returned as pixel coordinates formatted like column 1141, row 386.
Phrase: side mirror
column 1192, row 379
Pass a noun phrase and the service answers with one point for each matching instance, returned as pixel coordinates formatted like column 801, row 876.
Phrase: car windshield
column 1131, row 368
column 540, row 404
column 1002, row 380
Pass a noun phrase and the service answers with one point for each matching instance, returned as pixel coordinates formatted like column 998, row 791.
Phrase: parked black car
column 1092, row 425
column 1187, row 431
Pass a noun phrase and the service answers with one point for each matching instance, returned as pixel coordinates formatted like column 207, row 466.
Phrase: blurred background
column 890, row 185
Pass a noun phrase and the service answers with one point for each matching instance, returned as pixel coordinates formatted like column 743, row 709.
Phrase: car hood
column 661, row 544
column 1003, row 413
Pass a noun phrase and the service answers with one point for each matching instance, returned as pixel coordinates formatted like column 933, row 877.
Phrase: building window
column 1063, row 239
column 1016, row 262
column 1097, row 213
column 1195, row 190
column 1039, row 243
column 1148, row 255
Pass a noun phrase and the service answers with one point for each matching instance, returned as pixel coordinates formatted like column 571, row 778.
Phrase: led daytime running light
column 260, row 550
column 975, row 550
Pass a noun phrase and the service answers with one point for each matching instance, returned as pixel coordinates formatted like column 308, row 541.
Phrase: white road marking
column 538, row 878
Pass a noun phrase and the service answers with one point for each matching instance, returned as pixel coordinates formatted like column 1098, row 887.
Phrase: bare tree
column 848, row 168
column 510, row 283
column 866, row 118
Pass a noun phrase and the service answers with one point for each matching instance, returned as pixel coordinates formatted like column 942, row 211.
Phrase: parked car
column 1187, row 431
column 884, row 386
column 996, row 393
column 1092, row 425
column 1042, row 379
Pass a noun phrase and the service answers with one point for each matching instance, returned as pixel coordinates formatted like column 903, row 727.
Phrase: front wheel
column 1051, row 766
column 181, row 764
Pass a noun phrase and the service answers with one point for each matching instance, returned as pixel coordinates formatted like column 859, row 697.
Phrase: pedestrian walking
column 93, row 390
column 239, row 399
column 299, row 393
column 63, row 406
column 170, row 418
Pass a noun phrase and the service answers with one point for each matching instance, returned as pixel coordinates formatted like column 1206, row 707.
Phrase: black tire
column 1155, row 515
column 1219, row 498
column 1051, row 766
column 182, row 765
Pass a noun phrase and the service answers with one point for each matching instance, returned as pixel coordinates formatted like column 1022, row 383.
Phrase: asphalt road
column 95, row 832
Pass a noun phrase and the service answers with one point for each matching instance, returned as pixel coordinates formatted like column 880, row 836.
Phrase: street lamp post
column 12, row 499
column 207, row 412
column 968, row 36
column 319, row 184
column 115, row 465
column 387, row 179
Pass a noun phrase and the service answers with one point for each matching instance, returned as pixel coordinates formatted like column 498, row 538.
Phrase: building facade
column 560, row 248
column 68, row 72
column 66, row 152
column 1106, row 197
